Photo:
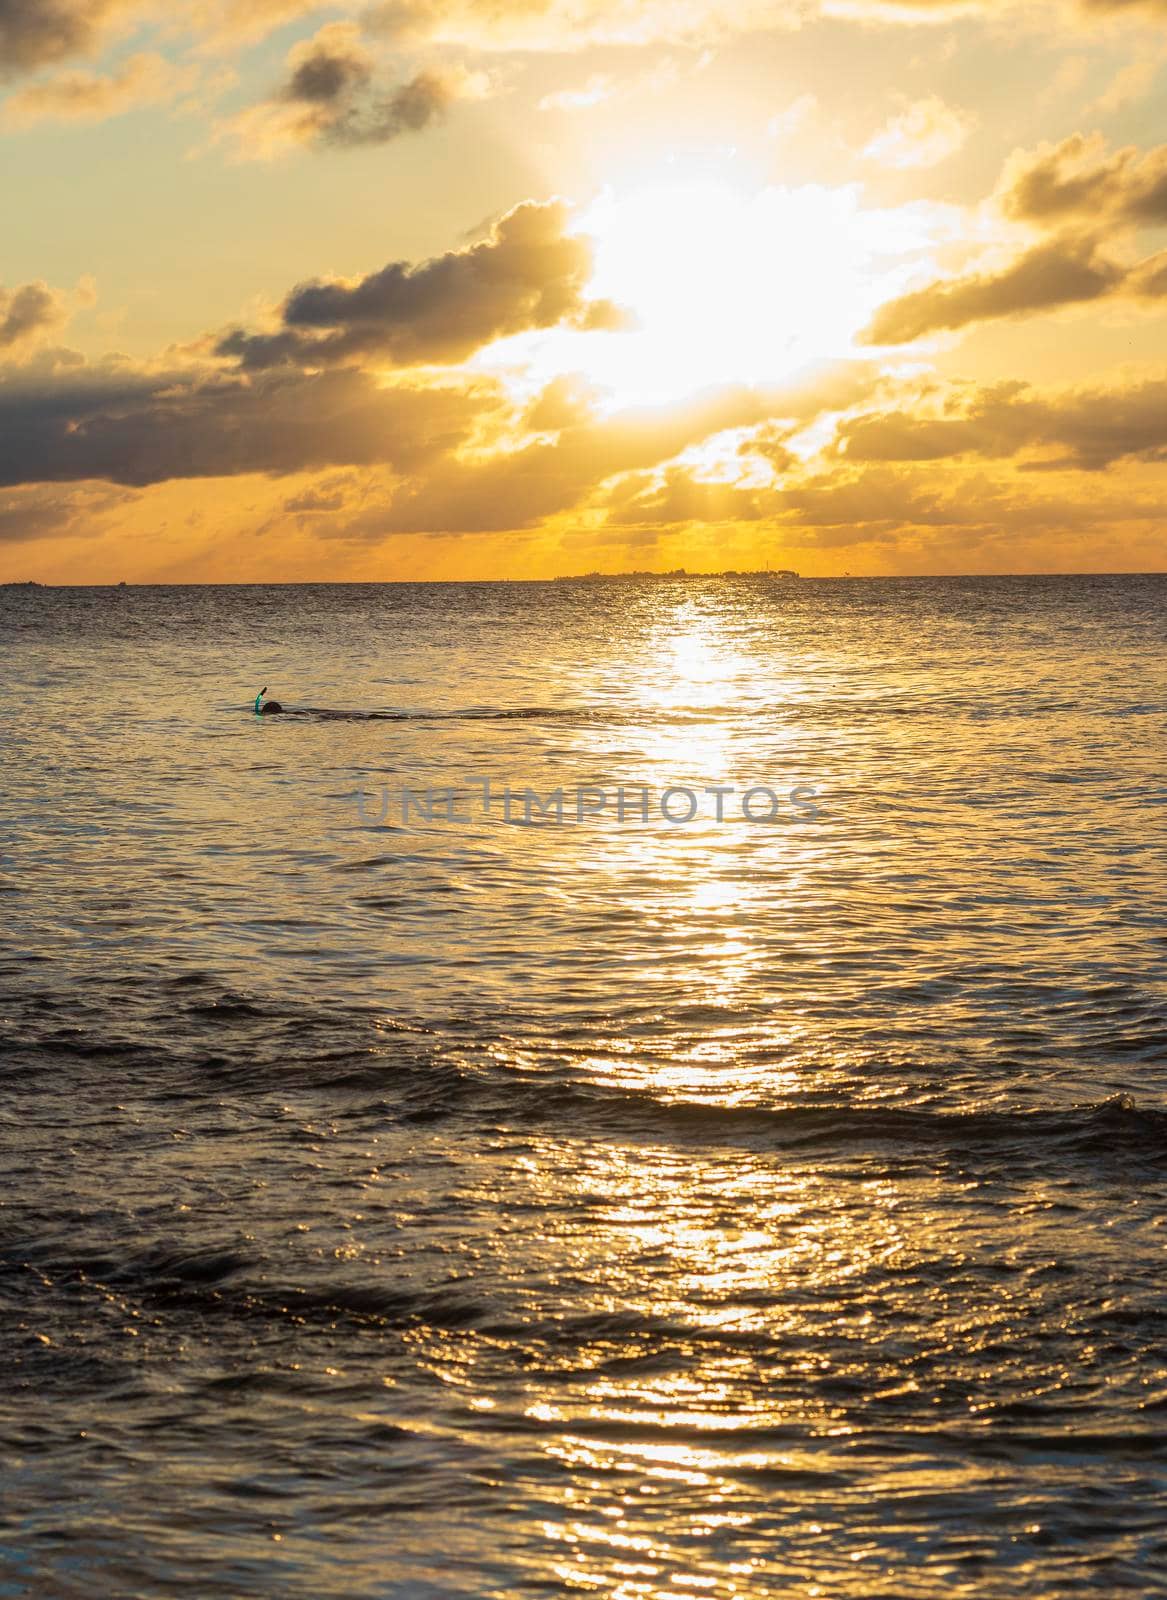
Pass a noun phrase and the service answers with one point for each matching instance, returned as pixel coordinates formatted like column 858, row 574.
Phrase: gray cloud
column 137, row 428
column 332, row 96
column 332, row 79
column 47, row 511
column 27, row 312
column 328, row 68
column 527, row 274
column 1058, row 272
column 36, row 33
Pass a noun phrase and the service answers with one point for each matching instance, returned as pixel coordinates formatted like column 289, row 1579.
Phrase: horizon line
column 573, row 577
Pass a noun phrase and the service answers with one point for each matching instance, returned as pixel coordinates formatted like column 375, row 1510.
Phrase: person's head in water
column 266, row 708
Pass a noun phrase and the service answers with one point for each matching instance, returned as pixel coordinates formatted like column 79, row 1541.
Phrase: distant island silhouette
column 681, row 572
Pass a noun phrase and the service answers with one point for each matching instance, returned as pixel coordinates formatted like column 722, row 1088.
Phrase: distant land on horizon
column 586, row 577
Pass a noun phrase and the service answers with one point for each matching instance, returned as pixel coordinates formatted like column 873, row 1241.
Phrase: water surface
column 519, row 1207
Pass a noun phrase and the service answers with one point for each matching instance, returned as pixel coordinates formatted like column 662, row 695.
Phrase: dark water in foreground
column 500, row 1208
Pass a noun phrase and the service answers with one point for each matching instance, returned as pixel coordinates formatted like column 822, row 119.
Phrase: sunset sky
column 513, row 288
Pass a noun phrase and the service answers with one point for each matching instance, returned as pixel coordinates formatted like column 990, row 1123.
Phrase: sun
column 725, row 285
column 733, row 287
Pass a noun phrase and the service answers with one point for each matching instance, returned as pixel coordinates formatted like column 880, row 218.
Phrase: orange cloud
column 1079, row 180
column 145, row 79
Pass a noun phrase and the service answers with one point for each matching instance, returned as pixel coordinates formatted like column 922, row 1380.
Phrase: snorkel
column 258, row 698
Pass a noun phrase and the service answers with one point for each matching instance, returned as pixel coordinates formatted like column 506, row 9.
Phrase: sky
column 522, row 288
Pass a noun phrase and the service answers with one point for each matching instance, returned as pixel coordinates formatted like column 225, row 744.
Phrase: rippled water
column 503, row 1207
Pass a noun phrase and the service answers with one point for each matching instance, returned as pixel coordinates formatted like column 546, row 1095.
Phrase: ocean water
column 502, row 1199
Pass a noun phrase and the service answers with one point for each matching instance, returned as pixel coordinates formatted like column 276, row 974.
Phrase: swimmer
column 266, row 708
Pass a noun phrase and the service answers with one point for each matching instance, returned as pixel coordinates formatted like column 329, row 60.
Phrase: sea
column 652, row 1088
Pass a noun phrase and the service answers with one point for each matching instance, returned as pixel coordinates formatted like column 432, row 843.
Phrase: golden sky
column 512, row 288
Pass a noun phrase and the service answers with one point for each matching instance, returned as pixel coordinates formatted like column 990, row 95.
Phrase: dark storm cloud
column 1078, row 178
column 136, row 429
column 1058, row 272
column 527, row 274
column 1090, row 429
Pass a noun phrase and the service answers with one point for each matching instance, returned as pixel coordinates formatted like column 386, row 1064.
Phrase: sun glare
column 726, row 286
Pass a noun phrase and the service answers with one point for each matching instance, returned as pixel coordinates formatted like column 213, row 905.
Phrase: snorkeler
column 266, row 708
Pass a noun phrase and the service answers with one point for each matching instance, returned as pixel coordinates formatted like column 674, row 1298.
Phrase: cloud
column 519, row 488
column 1078, row 179
column 599, row 87
column 1129, row 85
column 576, row 25
column 1075, row 189
column 1149, row 278
column 28, row 313
column 1089, row 428
column 793, row 117
column 1124, row 8
column 563, row 25
column 135, row 427
column 603, row 86
column 1059, row 272
column 528, row 273
column 903, row 508
column 38, row 33
column 499, row 486
column 332, row 97
column 47, row 512
column 924, row 134
column 675, row 497
column 322, row 498
column 891, row 500
column 143, row 80
column 41, row 33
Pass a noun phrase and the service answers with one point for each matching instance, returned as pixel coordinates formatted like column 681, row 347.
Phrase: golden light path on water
column 691, row 677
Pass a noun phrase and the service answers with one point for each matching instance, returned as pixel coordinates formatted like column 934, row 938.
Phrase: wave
column 411, row 1074
column 427, row 1081
column 1117, row 1126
